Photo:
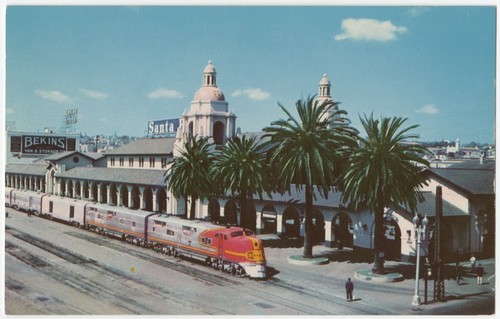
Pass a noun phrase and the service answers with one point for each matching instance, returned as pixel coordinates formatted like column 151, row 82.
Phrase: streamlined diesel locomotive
column 231, row 249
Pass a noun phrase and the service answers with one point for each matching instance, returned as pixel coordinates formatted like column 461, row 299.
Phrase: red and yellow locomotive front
column 241, row 248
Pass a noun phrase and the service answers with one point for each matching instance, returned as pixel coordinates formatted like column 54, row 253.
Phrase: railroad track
column 88, row 284
column 272, row 293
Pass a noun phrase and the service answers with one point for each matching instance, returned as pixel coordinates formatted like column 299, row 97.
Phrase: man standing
column 458, row 272
column 480, row 274
column 472, row 263
column 349, row 287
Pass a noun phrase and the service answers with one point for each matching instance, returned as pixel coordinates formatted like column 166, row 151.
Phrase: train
column 231, row 249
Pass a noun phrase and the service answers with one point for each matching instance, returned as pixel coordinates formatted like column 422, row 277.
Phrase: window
column 170, row 232
column 112, row 161
column 121, row 161
column 151, row 162
column 141, row 161
column 163, row 162
column 72, row 212
column 236, row 233
column 130, row 162
column 51, row 206
column 133, row 224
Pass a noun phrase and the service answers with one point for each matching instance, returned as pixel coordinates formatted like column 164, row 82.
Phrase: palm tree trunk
column 378, row 263
column 186, row 212
column 308, row 236
column 193, row 206
column 243, row 210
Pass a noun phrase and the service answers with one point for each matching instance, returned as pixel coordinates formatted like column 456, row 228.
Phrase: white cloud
column 163, row 93
column 8, row 110
column 94, row 94
column 253, row 94
column 428, row 109
column 416, row 11
column 103, row 120
column 54, row 96
column 369, row 30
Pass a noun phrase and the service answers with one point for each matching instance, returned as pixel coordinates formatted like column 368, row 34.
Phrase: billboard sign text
column 163, row 127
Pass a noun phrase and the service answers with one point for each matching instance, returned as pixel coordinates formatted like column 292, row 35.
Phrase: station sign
column 163, row 127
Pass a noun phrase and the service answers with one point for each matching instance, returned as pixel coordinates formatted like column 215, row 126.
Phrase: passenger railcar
column 8, row 191
column 231, row 249
column 64, row 209
column 121, row 222
column 25, row 200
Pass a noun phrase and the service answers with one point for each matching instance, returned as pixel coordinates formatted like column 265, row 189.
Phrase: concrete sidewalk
column 389, row 298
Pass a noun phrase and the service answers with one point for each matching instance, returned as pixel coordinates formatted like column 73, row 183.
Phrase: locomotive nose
column 257, row 253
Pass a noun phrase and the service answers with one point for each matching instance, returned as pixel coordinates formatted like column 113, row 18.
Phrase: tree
column 382, row 172
column 306, row 151
column 189, row 174
column 240, row 167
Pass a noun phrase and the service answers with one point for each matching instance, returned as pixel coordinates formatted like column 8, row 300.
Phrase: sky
column 122, row 66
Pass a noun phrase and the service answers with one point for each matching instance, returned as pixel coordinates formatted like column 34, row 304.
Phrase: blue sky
column 124, row 65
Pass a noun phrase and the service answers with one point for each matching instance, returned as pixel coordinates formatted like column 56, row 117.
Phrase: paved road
column 52, row 268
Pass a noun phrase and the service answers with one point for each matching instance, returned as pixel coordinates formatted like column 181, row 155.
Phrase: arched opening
column 62, row 187
column 218, row 133
column 147, row 197
column 52, row 182
column 69, row 188
column 112, row 194
column 249, row 217
column 191, row 129
column 392, row 240
column 214, row 210
column 85, row 193
column 269, row 221
column 290, row 223
column 318, row 222
column 489, row 233
column 104, row 193
column 341, row 230
column 124, row 195
column 161, row 197
column 231, row 213
column 135, row 198
column 93, row 191
column 78, row 190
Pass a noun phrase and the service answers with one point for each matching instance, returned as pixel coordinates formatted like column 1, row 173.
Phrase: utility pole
column 438, row 279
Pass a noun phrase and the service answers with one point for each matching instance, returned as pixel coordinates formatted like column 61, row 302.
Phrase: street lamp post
column 419, row 228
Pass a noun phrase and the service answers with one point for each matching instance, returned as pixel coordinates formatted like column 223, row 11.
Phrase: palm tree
column 241, row 169
column 189, row 174
column 306, row 151
column 382, row 172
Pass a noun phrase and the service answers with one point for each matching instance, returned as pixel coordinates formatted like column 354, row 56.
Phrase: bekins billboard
column 163, row 127
column 41, row 144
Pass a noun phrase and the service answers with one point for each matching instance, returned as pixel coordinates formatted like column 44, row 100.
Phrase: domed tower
column 324, row 92
column 209, row 114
